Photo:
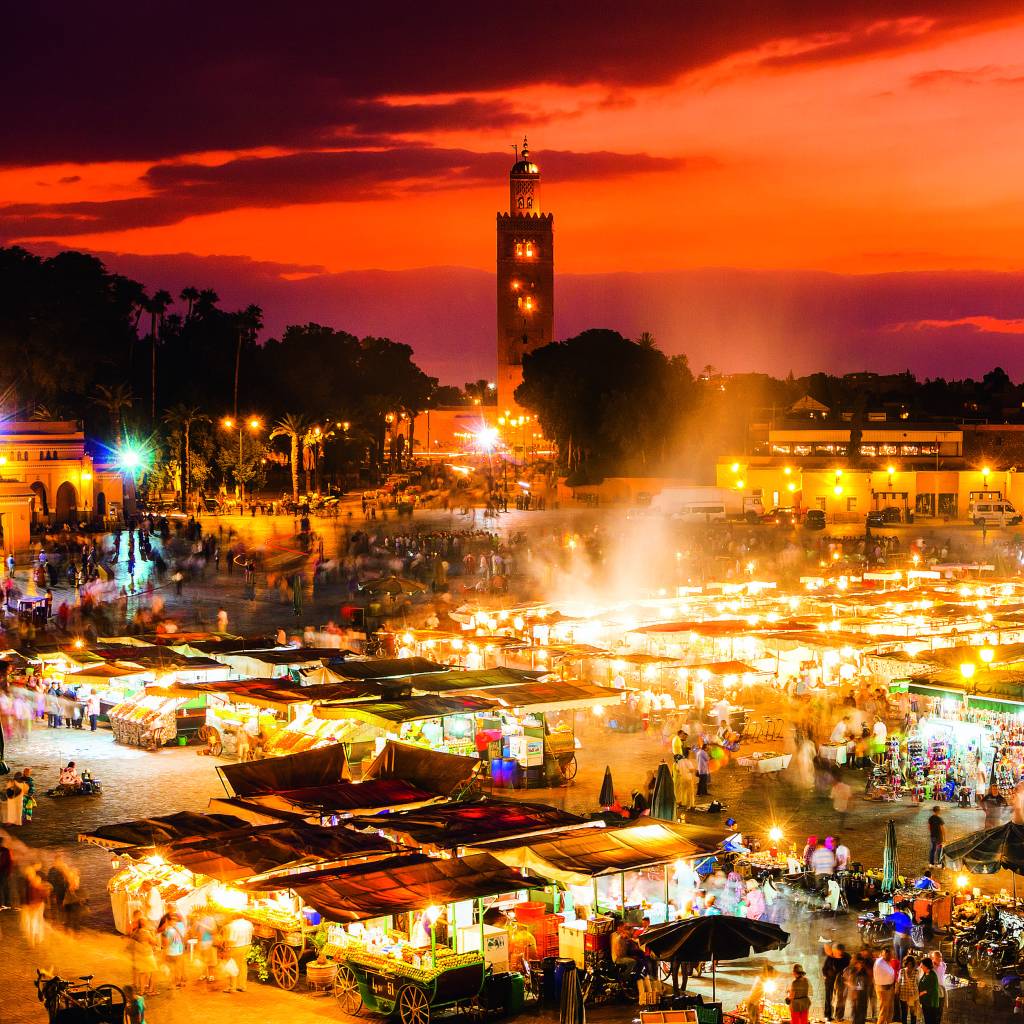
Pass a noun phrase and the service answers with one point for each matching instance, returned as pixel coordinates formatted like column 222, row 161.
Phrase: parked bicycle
column 78, row 1002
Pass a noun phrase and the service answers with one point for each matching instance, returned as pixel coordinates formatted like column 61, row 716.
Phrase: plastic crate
column 709, row 1013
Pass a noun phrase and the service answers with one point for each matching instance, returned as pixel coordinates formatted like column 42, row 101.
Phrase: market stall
column 408, row 934
column 151, row 720
column 644, row 869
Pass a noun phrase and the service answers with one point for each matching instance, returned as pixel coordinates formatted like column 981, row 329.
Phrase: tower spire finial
column 526, row 149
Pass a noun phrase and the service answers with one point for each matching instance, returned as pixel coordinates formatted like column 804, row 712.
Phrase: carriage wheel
column 413, row 1007
column 284, row 966
column 346, row 991
column 569, row 769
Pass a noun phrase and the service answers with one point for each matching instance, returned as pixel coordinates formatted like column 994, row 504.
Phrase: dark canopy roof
column 355, row 796
column 166, row 829
column 401, row 884
column 387, row 713
column 598, row 851
column 386, row 668
column 321, row 766
column 429, row 770
column 267, row 849
column 281, row 692
column 449, row 825
column 476, row 679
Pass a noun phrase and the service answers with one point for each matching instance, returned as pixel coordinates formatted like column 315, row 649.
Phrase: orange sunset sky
column 880, row 143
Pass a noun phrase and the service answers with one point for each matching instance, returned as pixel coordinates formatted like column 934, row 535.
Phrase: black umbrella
column 717, row 937
column 990, row 849
column 663, row 800
column 607, row 797
column 570, row 1004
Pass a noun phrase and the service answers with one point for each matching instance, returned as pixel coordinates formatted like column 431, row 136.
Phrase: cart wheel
column 569, row 769
column 346, row 991
column 413, row 1007
column 107, row 995
column 284, row 966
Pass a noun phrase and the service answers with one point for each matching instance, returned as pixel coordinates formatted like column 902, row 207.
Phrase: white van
column 700, row 512
column 993, row 512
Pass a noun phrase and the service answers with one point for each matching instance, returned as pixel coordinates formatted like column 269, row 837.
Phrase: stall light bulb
column 775, row 834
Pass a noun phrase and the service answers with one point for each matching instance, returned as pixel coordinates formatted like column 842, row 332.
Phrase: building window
column 529, row 249
column 851, row 504
column 526, row 303
column 924, row 505
column 947, row 505
column 822, row 503
column 521, row 202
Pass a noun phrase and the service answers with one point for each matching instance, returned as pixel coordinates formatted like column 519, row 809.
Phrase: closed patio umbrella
column 393, row 585
column 663, row 800
column 607, row 797
column 890, row 860
column 570, row 1004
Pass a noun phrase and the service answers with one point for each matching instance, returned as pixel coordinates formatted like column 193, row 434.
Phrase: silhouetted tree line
column 616, row 406
column 80, row 342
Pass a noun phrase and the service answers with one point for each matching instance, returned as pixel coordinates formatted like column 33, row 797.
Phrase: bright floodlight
column 129, row 459
column 487, row 438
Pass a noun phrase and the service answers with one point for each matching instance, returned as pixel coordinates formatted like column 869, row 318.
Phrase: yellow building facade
column 921, row 471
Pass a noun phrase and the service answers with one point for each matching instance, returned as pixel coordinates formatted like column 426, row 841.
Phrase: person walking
column 799, row 997
column 684, row 779
column 837, row 960
column 937, row 838
column 939, row 966
column 928, row 993
column 703, row 763
column 885, row 988
column 909, row 1001
column 237, row 940
column 93, row 708
column 172, row 935
column 142, row 946
column 858, row 981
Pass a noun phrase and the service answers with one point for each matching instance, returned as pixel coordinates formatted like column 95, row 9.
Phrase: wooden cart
column 560, row 749
column 287, row 950
column 392, row 987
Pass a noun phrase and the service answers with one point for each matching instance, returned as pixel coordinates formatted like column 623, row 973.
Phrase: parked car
column 814, row 519
column 889, row 516
column 787, row 516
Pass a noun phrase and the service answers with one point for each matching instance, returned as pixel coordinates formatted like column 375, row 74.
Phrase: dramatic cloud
column 88, row 82
column 178, row 191
column 978, row 324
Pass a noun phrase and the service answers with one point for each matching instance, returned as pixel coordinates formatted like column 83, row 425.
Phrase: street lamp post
column 254, row 423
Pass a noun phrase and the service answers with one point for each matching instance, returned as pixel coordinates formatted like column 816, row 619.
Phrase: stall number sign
column 494, row 943
column 381, row 986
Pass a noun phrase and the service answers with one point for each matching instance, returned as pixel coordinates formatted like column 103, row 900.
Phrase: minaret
column 526, row 277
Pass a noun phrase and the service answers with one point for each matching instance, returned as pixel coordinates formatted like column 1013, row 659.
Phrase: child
column 134, row 1007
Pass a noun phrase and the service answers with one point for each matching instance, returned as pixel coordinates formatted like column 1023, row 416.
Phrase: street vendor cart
column 389, row 986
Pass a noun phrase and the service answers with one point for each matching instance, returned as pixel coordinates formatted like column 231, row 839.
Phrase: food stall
column 643, row 869
column 151, row 720
column 407, row 934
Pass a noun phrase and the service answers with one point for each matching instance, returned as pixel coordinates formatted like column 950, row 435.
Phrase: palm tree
column 115, row 400
column 248, row 322
column 181, row 417
column 189, row 295
column 294, row 427
column 157, row 309
column 646, row 340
